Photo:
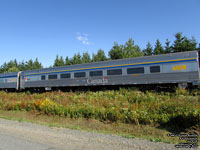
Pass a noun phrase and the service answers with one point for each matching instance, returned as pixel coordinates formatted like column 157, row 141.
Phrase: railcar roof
column 168, row 56
column 9, row 73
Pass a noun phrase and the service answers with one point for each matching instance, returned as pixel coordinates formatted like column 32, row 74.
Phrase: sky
column 45, row 28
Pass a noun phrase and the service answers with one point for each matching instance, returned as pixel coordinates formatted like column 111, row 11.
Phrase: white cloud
column 83, row 38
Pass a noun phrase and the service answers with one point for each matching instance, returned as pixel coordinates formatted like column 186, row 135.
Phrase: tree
column 56, row 61
column 14, row 66
column 3, row 68
column 22, row 66
column 13, row 69
column 198, row 47
column 177, row 46
column 116, row 52
column 67, row 61
column 77, row 59
column 182, row 43
column 168, row 48
column 131, row 50
column 86, row 58
column 15, row 63
column 61, row 61
column 37, row 64
column 29, row 65
column 100, row 56
column 189, row 44
column 158, row 48
column 149, row 50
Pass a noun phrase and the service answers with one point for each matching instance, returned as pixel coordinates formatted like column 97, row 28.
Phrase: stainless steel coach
column 174, row 68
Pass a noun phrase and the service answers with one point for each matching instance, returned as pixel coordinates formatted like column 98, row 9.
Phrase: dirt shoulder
column 61, row 138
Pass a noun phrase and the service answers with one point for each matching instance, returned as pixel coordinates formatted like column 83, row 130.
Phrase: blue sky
column 44, row 28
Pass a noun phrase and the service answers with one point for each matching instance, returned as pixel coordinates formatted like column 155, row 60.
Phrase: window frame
column 52, row 75
column 43, row 76
column 127, row 70
column 150, row 67
column 108, row 74
column 65, row 77
column 79, row 76
column 94, row 75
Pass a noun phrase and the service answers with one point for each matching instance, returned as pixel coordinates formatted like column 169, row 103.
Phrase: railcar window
column 42, row 77
column 53, row 76
column 114, row 72
column 66, row 75
column 96, row 73
column 135, row 70
column 79, row 74
column 154, row 69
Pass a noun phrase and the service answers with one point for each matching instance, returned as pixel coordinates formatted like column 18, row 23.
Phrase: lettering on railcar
column 11, row 80
column 97, row 81
column 179, row 67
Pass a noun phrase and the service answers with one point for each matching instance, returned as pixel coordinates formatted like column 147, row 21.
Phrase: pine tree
column 15, row 62
column 29, row 65
column 86, row 58
column 168, row 48
column 77, row 59
column 131, row 50
column 116, row 52
column 56, row 62
column 100, row 56
column 22, row 66
column 13, row 69
column 182, row 43
column 149, row 50
column 37, row 64
column 177, row 46
column 67, row 61
column 158, row 48
column 61, row 61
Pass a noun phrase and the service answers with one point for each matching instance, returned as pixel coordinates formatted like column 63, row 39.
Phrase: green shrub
column 125, row 105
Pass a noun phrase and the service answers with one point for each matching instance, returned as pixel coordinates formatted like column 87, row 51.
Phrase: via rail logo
column 179, row 67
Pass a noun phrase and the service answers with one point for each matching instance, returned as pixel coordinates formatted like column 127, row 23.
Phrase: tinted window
column 53, row 76
column 154, row 69
column 42, row 77
column 96, row 73
column 114, row 72
column 66, row 75
column 79, row 74
column 135, row 70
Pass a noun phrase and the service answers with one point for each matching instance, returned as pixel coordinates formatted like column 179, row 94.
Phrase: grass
column 126, row 112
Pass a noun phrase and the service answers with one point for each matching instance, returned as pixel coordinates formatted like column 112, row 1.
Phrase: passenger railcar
column 8, row 80
column 181, row 69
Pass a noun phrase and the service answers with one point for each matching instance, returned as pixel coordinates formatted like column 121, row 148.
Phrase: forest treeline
column 128, row 50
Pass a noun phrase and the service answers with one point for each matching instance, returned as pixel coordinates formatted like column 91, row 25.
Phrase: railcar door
column 199, row 63
column 199, row 66
column 20, row 81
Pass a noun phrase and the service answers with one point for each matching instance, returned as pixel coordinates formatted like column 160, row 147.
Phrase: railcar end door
column 20, row 81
